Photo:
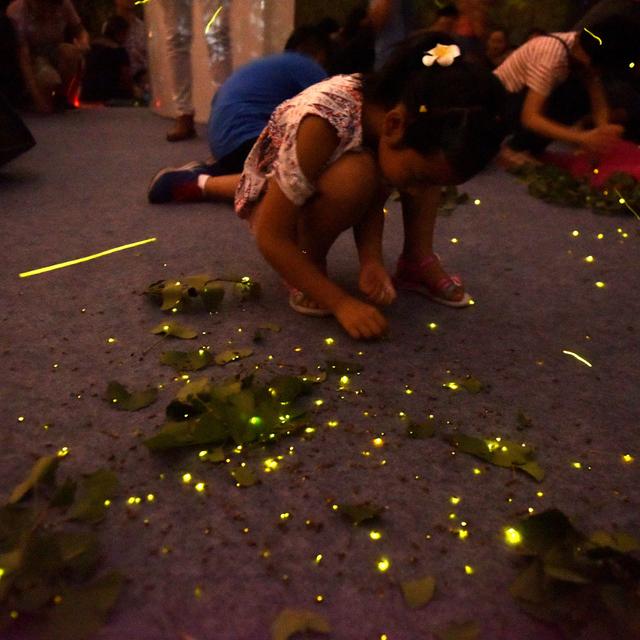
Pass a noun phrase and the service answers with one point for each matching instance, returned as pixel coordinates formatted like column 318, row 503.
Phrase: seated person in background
column 108, row 72
column 498, row 48
column 354, row 46
column 135, row 44
column 51, row 67
column 446, row 19
column 239, row 112
column 554, row 80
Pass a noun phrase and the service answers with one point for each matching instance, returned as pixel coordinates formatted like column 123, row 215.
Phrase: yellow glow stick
column 593, row 35
column 577, row 357
column 213, row 19
column 62, row 265
column 626, row 204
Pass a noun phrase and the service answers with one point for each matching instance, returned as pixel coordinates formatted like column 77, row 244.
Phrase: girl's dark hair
column 114, row 27
column 612, row 43
column 457, row 109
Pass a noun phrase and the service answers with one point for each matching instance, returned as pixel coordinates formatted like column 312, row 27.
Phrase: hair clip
column 443, row 54
column 423, row 109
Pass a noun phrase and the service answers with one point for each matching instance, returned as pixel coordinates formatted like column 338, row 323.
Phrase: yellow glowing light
column 575, row 233
column 111, row 340
column 256, row 421
column 150, row 497
column 384, row 636
column 576, row 465
column 200, row 486
column 2, row 572
column 332, row 423
column 454, row 500
column 593, row 35
column 107, row 503
column 477, row 202
column 14, row 615
column 187, row 478
column 383, row 564
column 197, row 592
column 329, row 341
column 476, row 471
column 309, row 430
column 462, row 534
column 375, row 535
column 454, row 241
column 64, row 451
column 344, row 380
column 69, row 263
column 512, row 536
column 20, row 418
column 432, row 326
column 539, row 494
column 468, row 569
column 319, row 402
column 377, row 442
column 624, row 202
column 319, row 598
column 627, row 458
column 270, row 464
column 206, row 30
column 131, row 500
column 452, row 516
column 285, row 516
column 452, row 385
column 318, row 559
column 577, row 357
column 600, row 236
column 589, row 259
column 408, row 391
column 596, row 171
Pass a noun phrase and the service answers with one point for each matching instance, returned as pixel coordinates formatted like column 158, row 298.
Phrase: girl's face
column 404, row 167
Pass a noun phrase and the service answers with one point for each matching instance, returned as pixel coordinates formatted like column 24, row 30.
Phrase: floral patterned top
column 274, row 155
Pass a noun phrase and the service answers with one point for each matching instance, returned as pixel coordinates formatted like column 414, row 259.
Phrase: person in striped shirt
column 555, row 80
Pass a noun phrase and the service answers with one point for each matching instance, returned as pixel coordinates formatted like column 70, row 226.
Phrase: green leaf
column 534, row 470
column 64, row 495
column 120, row 398
column 79, row 552
column 288, row 388
column 247, row 289
column 341, row 367
column 244, row 476
column 472, row 385
column 83, row 610
column 541, row 532
column 171, row 295
column 216, row 456
column 92, row 492
column 619, row 541
column 359, row 513
column 42, row 471
column 231, row 355
column 175, row 329
column 421, row 431
column 270, row 326
column 530, row 585
column 212, row 295
column 207, row 428
column 419, row 592
column 459, row 631
column 187, row 360
column 292, row 621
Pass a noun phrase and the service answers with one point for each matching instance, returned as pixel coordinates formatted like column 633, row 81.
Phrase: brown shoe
column 182, row 129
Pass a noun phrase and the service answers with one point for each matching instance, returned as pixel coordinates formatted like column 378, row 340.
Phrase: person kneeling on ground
column 239, row 112
column 554, row 80
column 329, row 158
column 108, row 74
column 51, row 68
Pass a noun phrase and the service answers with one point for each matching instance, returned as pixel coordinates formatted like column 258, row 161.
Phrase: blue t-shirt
column 400, row 24
column 244, row 103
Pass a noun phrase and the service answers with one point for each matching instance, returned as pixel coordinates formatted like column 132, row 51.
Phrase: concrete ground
column 221, row 565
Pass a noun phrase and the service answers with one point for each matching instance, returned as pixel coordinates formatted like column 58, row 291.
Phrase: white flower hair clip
column 443, row 54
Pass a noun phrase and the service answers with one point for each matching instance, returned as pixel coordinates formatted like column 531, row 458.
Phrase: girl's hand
column 602, row 138
column 376, row 284
column 360, row 320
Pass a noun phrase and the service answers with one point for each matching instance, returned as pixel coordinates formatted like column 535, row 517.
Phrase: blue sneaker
column 177, row 184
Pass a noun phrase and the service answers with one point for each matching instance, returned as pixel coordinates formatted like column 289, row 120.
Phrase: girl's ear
column 395, row 125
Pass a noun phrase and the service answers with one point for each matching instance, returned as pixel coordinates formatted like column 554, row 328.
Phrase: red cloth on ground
column 623, row 157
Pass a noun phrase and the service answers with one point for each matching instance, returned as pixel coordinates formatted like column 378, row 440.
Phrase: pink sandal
column 409, row 277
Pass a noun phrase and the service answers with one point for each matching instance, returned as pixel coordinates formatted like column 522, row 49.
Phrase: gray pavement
column 82, row 190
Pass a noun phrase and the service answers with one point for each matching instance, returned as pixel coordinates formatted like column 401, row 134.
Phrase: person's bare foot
column 509, row 158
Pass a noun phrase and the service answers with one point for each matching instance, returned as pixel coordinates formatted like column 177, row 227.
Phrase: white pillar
column 258, row 27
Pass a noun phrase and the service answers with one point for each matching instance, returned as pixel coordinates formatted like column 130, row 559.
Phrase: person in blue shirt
column 239, row 112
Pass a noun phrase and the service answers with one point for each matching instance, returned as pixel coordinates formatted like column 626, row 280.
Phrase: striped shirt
column 540, row 64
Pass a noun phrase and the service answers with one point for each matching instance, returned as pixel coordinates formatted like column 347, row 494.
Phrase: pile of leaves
column 200, row 291
column 237, row 410
column 588, row 586
column 49, row 555
column 557, row 186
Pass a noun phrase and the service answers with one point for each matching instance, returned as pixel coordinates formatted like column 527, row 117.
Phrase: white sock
column 202, row 180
